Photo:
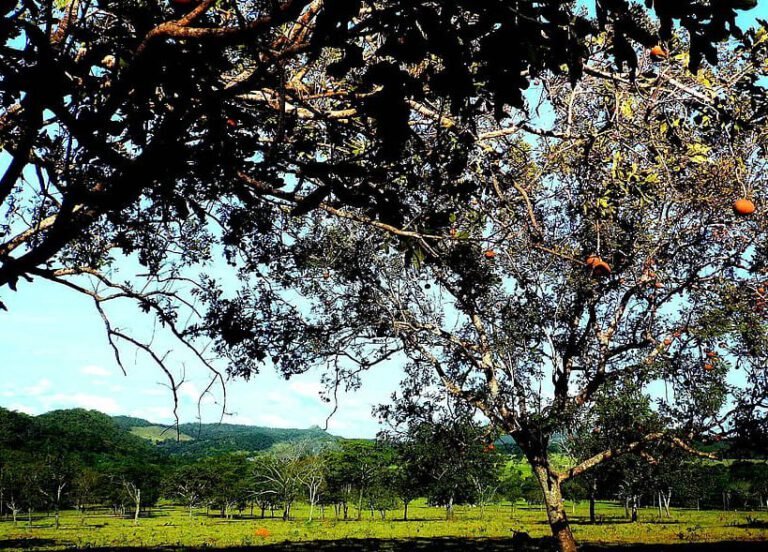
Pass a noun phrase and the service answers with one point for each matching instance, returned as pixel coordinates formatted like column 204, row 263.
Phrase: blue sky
column 54, row 354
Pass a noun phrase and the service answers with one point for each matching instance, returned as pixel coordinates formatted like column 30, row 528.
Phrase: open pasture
column 170, row 527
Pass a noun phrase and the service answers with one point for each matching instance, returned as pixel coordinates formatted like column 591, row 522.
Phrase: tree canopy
column 526, row 227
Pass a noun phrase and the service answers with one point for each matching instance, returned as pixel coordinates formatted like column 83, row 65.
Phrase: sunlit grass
column 171, row 526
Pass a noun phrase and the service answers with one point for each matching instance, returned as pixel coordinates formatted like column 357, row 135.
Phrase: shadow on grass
column 26, row 543
column 444, row 544
column 758, row 524
column 620, row 521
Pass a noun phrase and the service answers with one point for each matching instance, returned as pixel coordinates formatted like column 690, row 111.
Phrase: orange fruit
column 597, row 266
column 231, row 122
column 489, row 254
column 658, row 52
column 743, row 207
column 668, row 341
column 711, row 354
column 709, row 367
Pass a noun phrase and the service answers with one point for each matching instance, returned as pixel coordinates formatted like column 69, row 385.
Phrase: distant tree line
column 83, row 460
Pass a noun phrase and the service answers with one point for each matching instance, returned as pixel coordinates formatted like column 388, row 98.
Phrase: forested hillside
column 199, row 440
column 85, row 459
column 88, row 436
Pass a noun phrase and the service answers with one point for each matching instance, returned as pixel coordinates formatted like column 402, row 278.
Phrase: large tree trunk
column 553, row 499
column 592, row 496
column 405, row 510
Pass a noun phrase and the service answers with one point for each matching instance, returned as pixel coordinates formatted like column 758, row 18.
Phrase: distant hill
column 88, row 435
column 158, row 434
column 129, row 422
column 207, row 439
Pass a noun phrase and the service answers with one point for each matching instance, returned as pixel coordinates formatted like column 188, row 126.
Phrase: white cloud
column 272, row 420
column 7, row 394
column 193, row 393
column 238, row 419
column 306, row 388
column 94, row 370
column 39, row 388
column 156, row 414
column 22, row 408
column 106, row 405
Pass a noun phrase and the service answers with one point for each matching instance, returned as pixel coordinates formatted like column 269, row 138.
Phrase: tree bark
column 405, row 510
column 138, row 507
column 592, row 493
column 553, row 499
column 360, row 505
column 667, row 499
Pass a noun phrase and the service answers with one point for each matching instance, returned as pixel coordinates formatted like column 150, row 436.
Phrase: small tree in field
column 407, row 477
column 86, row 489
column 280, row 475
column 187, row 483
column 313, row 477
column 511, row 488
column 453, row 459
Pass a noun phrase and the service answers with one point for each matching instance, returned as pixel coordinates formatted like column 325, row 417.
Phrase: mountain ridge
column 199, row 439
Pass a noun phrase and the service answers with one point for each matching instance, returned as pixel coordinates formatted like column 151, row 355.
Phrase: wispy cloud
column 107, row 405
column 22, row 408
column 306, row 388
column 94, row 370
column 39, row 388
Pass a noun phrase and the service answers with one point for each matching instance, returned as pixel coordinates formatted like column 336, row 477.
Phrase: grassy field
column 172, row 527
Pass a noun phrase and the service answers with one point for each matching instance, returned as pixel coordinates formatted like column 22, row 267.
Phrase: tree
column 749, row 479
column 136, row 484
column 456, row 461
column 503, row 302
column 225, row 480
column 312, row 474
column 57, row 474
column 412, row 122
column 407, row 477
column 353, row 468
column 188, row 483
column 279, row 474
column 511, row 488
column 166, row 131
column 86, row 486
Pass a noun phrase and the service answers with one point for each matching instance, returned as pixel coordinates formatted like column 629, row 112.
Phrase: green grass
column 159, row 433
column 171, row 526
